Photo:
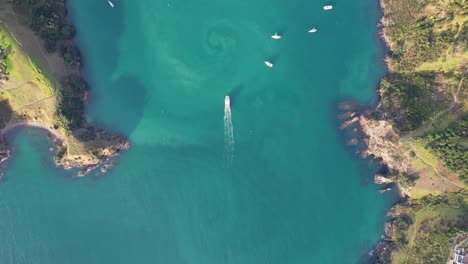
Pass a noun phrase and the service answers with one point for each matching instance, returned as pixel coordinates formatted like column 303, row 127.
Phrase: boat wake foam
column 228, row 136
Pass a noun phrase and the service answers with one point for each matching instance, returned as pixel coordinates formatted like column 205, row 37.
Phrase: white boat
column 328, row 7
column 110, row 3
column 227, row 102
column 312, row 30
column 269, row 64
column 276, row 36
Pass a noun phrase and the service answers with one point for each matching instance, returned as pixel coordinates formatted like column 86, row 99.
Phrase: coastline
column 58, row 141
column 385, row 142
column 8, row 128
column 77, row 143
column 366, row 116
column 32, row 44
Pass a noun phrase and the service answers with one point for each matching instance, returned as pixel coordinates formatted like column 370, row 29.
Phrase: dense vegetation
column 422, row 231
column 449, row 146
column 410, row 99
column 29, row 95
column 71, row 103
column 404, row 179
column 48, row 19
column 427, row 61
column 3, row 64
column 426, row 90
column 424, row 95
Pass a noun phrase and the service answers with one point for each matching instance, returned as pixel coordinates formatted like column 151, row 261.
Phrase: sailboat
column 276, row 36
column 110, row 3
column 268, row 63
column 312, row 30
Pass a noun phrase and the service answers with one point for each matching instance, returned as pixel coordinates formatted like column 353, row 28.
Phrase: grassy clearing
column 429, row 234
column 75, row 147
column 420, row 150
column 30, row 92
column 429, row 58
column 27, row 82
column 18, row 63
column 434, row 177
column 418, row 193
column 451, row 63
column 425, row 97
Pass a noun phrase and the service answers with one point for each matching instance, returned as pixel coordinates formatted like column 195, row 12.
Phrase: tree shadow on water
column 124, row 105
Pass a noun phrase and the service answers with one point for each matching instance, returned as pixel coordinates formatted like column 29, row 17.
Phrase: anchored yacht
column 312, row 30
column 276, row 36
column 269, row 64
column 110, row 3
column 227, row 102
column 328, row 7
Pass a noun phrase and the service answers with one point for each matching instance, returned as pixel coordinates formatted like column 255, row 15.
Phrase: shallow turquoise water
column 159, row 71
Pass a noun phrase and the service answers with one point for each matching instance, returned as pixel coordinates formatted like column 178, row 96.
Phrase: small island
column 419, row 130
column 41, row 84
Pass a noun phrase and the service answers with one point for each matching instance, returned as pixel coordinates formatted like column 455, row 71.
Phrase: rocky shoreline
column 382, row 253
column 384, row 134
column 368, row 136
column 353, row 122
column 68, row 128
column 103, row 160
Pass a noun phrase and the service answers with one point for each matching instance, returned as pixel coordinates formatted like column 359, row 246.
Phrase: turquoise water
column 159, row 71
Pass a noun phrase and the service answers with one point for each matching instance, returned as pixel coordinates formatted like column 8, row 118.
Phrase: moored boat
column 276, row 36
column 110, row 3
column 328, row 7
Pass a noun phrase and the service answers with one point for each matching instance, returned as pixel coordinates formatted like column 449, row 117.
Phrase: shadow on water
column 272, row 58
column 104, row 38
column 235, row 93
column 126, row 104
column 115, row 104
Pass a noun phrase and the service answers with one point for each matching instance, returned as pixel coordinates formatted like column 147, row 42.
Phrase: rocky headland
column 41, row 85
column 419, row 129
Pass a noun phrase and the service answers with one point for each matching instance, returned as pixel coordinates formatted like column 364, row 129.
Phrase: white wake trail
column 228, row 136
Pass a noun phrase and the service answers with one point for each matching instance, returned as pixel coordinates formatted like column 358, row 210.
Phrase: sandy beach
column 11, row 127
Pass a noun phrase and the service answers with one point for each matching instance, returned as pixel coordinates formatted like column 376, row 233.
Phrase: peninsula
column 41, row 84
column 419, row 129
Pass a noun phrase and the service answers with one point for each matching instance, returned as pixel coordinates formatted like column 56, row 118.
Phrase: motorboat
column 276, row 36
column 269, row 64
column 227, row 102
column 328, row 7
column 110, row 3
column 312, row 30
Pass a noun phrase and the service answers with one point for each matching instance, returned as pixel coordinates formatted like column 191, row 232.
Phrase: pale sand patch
column 10, row 127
